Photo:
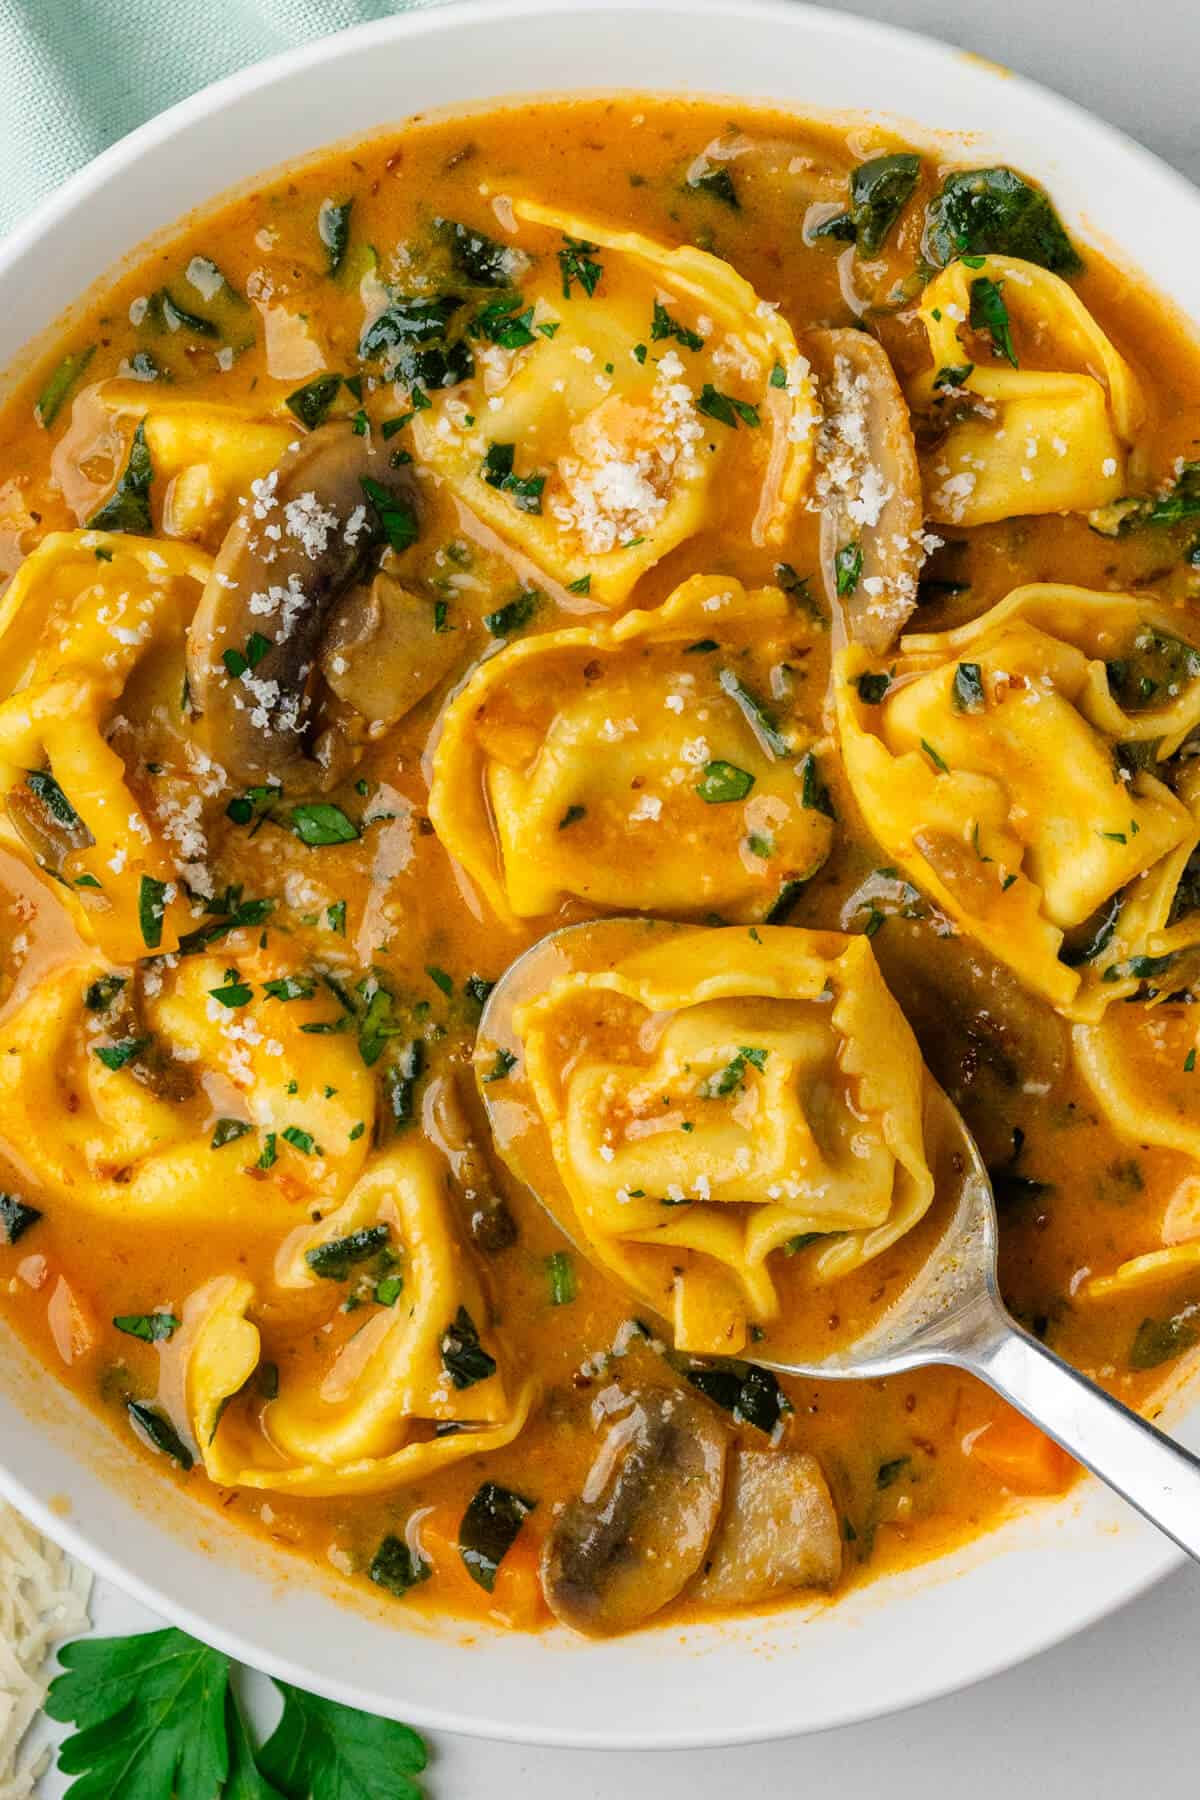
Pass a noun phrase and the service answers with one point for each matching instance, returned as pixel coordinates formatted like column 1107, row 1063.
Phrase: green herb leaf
column 814, row 795
column 300, row 1140
column 872, row 688
column 50, row 400
column 291, row 987
column 756, row 715
column 333, row 229
column 115, row 1056
column 463, row 1356
column 322, row 1751
column 664, row 326
column 397, row 517
column 100, row 994
column 334, row 1260
column 967, row 693
column 888, row 1473
column 489, row 1530
column 395, row 1569
column 560, row 1275
column 725, row 408
column 389, row 1290
column 953, row 375
column 156, row 1430
column 479, row 258
column 997, row 212
column 16, row 1217
column 152, row 1328
column 400, row 1085
column 935, row 756
column 1160, row 1340
column 321, row 822
column 128, row 506
column 525, row 491
column 228, row 1131
column 576, row 265
column 722, row 782
column 234, row 992
column 753, row 1396
column 514, row 615
column 1182, row 501
column 440, row 979
column 311, row 403
column 847, row 569
column 715, row 179
column 504, row 1064
column 989, row 314
column 151, row 910
column 150, row 1717
column 879, row 192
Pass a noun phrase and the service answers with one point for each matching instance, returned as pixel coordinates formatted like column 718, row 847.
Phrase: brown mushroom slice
column 46, row 822
column 778, row 1531
column 382, row 651
column 302, row 537
column 639, row 1531
column 869, row 486
column 462, row 1133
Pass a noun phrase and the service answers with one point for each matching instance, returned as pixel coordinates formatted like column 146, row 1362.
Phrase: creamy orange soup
column 779, row 546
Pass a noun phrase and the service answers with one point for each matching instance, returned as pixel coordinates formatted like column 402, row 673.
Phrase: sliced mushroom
column 778, row 1530
column 869, row 486
column 638, row 1532
column 462, row 1133
column 302, row 539
column 45, row 821
column 382, row 651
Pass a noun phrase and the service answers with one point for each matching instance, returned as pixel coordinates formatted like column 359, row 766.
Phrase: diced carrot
column 516, row 1600
column 1021, row 1456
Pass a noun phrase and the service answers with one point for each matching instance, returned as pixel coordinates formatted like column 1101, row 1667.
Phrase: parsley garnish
column 715, row 179
column 397, row 517
column 514, row 614
column 989, row 314
column 722, row 782
column 725, row 408
column 152, row 1328
column 848, row 568
column 320, row 822
column 115, row 1056
column 311, row 403
column 576, row 264
column 664, row 326
column 504, row 1064
column 967, row 694
column 333, row 1261
column 525, row 491
column 756, row 715
column 128, row 506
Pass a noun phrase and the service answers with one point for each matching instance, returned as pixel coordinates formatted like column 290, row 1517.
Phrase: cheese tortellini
column 720, row 1095
column 91, row 632
column 161, row 1096
column 652, row 380
column 372, row 1407
column 1045, row 431
column 1018, row 769
column 642, row 763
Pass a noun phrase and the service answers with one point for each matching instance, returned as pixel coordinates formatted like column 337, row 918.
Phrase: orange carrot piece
column 1021, row 1456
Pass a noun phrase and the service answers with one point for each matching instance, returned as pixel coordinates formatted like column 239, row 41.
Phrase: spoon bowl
column 949, row 1311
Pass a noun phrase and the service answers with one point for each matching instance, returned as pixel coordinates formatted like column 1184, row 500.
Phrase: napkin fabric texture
column 75, row 75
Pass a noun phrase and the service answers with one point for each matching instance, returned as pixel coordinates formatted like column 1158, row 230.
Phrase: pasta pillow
column 165, row 1096
column 365, row 1407
column 91, row 635
column 1017, row 769
column 628, row 391
column 641, row 763
column 1036, row 409
column 717, row 1096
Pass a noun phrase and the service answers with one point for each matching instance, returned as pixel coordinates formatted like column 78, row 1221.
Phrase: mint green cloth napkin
column 77, row 74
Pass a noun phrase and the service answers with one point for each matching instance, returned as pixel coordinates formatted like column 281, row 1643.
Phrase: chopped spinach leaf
column 228, row 1131
column 333, row 229
column 395, row 1569
column 1158, row 1341
column 989, row 314
column 319, row 822
column 156, row 1430
column 814, row 795
column 311, row 403
column 756, row 715
column 515, row 614
column 724, row 781
column 872, row 688
column 967, row 694
column 489, row 1530
column 560, row 1277
column 334, row 1260
column 152, row 1328
column 16, row 1217
column 128, row 506
column 716, row 179
column 463, row 1356
column 50, row 401
column 879, row 192
column 752, row 1395
column 576, row 264
column 995, row 211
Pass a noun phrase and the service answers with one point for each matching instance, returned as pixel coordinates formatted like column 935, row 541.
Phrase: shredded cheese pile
column 43, row 1598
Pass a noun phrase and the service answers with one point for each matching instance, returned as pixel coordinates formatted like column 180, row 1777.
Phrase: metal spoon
column 950, row 1313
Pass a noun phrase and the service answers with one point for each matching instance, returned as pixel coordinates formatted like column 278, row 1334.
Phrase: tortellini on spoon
column 697, row 1101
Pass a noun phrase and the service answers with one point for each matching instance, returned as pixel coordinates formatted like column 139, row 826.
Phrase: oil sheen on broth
column 632, row 508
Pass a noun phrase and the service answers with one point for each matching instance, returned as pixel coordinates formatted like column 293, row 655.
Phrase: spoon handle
column 1156, row 1475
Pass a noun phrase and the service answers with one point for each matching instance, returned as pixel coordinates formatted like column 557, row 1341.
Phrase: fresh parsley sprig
column 157, row 1719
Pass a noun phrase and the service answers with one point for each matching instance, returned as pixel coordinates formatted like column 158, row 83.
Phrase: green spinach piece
column 463, row 1356
column 334, row 1260
column 489, row 1530
column 996, row 211
column 333, row 229
column 395, row 1569
column 128, row 506
column 16, row 1217
column 879, row 191
column 52, row 397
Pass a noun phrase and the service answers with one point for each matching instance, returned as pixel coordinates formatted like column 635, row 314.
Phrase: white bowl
column 1053, row 1567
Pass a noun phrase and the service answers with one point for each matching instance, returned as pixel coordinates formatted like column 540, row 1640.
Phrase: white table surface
column 1114, row 1712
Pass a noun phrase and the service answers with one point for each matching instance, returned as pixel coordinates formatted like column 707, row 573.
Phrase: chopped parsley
column 319, row 822
column 989, row 315
column 333, row 1260
column 576, row 265
column 663, row 326
column 725, row 408
column 152, row 1328
column 724, row 781
column 525, row 491
column 847, row 569
column 967, row 694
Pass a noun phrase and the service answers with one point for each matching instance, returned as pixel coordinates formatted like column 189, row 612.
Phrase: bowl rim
column 1147, row 1558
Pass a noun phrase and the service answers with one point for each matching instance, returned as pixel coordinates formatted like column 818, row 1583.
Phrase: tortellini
column 641, row 763
column 374, row 1406
column 1014, row 768
column 1050, row 435
column 169, row 1098
column 719, row 1095
column 91, row 629
column 653, row 380
column 205, row 456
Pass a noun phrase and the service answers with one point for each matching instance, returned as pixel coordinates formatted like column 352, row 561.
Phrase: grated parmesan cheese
column 43, row 1598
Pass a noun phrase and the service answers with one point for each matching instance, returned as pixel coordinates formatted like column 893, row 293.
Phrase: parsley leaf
column 989, row 314
column 320, row 822
column 664, row 326
column 576, row 264
column 332, row 1752
column 152, row 1328
column 150, row 1712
